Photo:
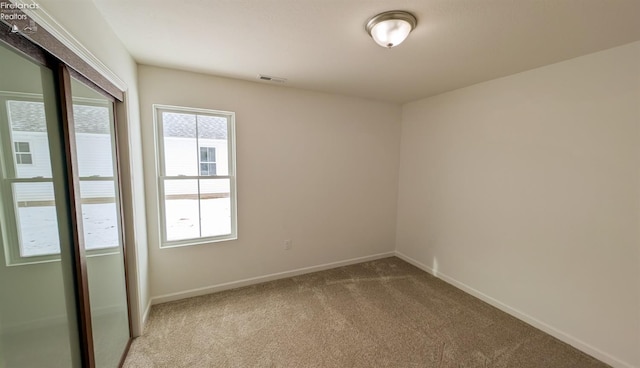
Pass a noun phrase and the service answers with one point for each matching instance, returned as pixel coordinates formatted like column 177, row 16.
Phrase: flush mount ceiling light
column 390, row 28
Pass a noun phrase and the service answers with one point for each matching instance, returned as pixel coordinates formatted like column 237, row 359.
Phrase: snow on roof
column 28, row 116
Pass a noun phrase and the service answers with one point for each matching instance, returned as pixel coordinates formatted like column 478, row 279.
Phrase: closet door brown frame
column 46, row 52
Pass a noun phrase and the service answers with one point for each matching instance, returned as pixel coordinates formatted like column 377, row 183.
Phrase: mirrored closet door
column 63, row 295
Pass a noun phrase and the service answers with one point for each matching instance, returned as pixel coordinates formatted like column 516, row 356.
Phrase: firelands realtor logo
column 13, row 14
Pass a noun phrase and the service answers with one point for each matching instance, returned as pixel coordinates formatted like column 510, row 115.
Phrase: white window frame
column 158, row 109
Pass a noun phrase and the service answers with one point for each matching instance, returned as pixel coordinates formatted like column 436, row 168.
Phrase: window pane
column 215, row 206
column 212, row 154
column 182, row 213
column 93, row 140
column 36, row 219
column 99, row 214
column 23, row 159
column 212, row 133
column 204, row 157
column 29, row 134
column 22, row 147
column 180, row 144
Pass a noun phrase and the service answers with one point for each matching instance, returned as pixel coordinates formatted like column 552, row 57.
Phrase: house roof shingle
column 29, row 116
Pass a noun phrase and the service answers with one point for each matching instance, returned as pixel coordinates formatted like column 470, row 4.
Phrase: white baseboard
column 145, row 316
column 260, row 279
column 560, row 335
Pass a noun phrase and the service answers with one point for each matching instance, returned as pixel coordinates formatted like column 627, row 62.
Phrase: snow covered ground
column 182, row 218
column 39, row 225
column 39, row 228
column 38, row 231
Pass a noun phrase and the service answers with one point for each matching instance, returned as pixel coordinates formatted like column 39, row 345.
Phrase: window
column 27, row 183
column 196, row 175
column 23, row 153
column 207, row 161
column 27, row 187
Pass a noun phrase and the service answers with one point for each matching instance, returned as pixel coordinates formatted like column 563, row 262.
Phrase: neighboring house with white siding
column 210, row 147
column 30, row 150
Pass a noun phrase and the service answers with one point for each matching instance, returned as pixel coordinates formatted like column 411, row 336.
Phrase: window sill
column 199, row 241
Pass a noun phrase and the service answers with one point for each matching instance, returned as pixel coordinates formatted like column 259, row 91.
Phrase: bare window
column 196, row 178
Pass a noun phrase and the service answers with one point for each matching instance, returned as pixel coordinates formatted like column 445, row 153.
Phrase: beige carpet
column 384, row 313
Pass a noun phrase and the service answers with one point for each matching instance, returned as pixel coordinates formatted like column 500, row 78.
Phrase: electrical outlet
column 288, row 244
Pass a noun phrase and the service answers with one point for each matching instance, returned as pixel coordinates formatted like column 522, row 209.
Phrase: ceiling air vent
column 269, row 78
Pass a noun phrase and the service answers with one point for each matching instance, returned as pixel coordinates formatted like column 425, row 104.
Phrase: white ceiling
column 322, row 45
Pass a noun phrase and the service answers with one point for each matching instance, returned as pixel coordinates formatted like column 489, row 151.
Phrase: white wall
column 525, row 190
column 315, row 168
column 86, row 26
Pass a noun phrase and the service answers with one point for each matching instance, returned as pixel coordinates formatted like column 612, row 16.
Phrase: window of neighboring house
column 207, row 161
column 23, row 153
column 196, row 175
